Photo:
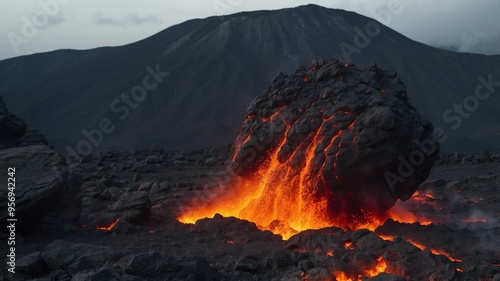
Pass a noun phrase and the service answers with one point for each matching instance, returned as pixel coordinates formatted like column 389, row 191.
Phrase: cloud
column 52, row 20
column 454, row 25
column 130, row 19
column 481, row 42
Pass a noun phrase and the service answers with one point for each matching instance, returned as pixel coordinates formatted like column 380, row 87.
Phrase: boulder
column 335, row 133
column 40, row 181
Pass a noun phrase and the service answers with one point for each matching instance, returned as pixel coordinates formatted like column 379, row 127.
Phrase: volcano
column 218, row 65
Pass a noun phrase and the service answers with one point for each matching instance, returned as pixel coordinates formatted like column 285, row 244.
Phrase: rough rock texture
column 350, row 133
column 40, row 182
column 13, row 131
column 161, row 267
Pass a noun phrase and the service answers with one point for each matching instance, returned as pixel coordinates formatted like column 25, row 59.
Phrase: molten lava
column 108, row 227
column 284, row 202
column 379, row 268
column 280, row 201
column 272, row 203
column 434, row 251
column 375, row 270
column 304, row 153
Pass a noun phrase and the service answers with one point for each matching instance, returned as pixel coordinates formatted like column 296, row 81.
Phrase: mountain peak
column 217, row 66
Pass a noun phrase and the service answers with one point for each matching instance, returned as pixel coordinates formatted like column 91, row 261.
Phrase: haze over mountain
column 217, row 65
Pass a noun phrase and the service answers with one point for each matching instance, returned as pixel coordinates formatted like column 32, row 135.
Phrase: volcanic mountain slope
column 217, row 65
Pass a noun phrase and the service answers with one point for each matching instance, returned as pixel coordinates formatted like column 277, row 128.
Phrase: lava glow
column 279, row 210
column 285, row 200
column 400, row 213
column 434, row 251
column 387, row 237
column 475, row 220
column 423, row 197
column 108, row 227
column 340, row 276
column 379, row 268
column 281, row 200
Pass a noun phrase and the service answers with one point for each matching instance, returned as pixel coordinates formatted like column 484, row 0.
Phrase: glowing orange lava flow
column 283, row 195
column 434, row 251
column 284, row 211
column 379, row 268
column 370, row 272
column 278, row 198
column 108, row 227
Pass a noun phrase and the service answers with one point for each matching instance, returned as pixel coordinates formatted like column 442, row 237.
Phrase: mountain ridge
column 219, row 64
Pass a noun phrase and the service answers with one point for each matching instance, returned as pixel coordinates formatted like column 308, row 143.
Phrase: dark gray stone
column 104, row 273
column 320, row 274
column 162, row 267
column 63, row 255
column 249, row 264
column 134, row 201
column 41, row 177
column 31, row 264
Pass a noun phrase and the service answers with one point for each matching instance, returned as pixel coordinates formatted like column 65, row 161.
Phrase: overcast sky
column 469, row 26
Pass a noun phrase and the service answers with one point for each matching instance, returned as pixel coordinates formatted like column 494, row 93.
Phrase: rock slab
column 40, row 182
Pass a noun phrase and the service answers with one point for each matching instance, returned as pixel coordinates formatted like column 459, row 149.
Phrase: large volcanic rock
column 40, row 182
column 339, row 133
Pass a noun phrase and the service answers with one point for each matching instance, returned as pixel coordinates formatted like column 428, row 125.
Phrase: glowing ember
column 108, row 227
column 341, row 276
column 423, row 197
column 329, row 253
column 400, row 213
column 441, row 252
column 434, row 251
column 416, row 244
column 379, row 268
column 387, row 237
column 475, row 220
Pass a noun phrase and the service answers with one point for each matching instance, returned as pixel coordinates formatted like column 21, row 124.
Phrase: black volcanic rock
column 11, row 127
column 158, row 266
column 40, row 182
column 13, row 131
column 345, row 134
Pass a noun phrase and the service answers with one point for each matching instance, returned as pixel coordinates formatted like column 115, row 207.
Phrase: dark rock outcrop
column 40, row 182
column 13, row 130
column 338, row 132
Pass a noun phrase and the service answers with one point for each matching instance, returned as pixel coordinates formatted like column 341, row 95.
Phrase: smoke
column 479, row 218
column 483, row 42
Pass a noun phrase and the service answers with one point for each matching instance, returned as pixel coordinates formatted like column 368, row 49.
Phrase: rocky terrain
column 118, row 221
